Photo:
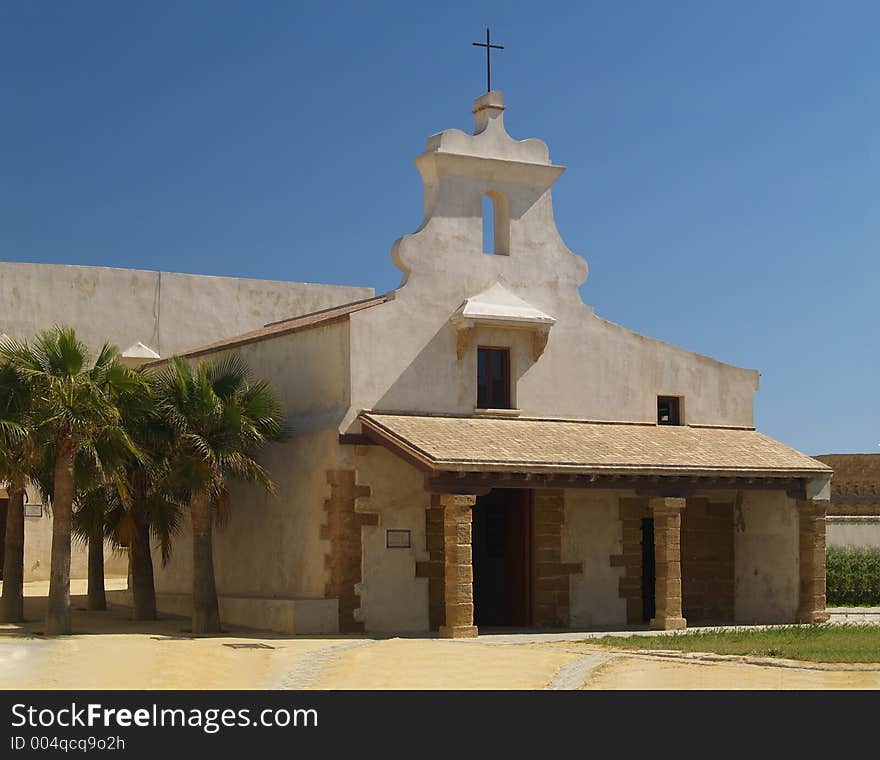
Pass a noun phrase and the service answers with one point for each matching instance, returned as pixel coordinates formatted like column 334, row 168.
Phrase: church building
column 478, row 449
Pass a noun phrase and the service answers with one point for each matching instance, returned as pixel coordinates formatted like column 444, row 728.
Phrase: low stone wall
column 38, row 553
column 853, row 530
column 294, row 616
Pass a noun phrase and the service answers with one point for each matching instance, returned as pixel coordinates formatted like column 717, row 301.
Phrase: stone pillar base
column 458, row 631
column 668, row 624
column 813, row 616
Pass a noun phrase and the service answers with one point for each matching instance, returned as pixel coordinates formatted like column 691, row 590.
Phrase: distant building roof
column 856, row 484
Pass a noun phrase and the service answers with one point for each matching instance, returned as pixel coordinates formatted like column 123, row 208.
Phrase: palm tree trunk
column 206, row 610
column 58, row 613
column 97, row 598
column 143, row 589
column 12, row 604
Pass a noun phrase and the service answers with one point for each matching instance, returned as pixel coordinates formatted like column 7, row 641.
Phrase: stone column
column 811, row 520
column 458, row 567
column 667, row 562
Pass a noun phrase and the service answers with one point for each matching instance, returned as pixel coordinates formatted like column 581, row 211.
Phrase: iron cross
column 489, row 48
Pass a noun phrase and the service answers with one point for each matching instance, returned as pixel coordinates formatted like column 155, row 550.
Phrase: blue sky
column 723, row 159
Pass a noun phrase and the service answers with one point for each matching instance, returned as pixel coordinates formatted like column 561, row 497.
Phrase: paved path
column 869, row 615
column 575, row 674
column 310, row 670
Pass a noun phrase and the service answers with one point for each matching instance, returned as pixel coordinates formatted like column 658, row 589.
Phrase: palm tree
column 101, row 493
column 154, row 507
column 73, row 409
column 150, row 507
column 221, row 419
column 152, row 513
column 17, row 455
column 140, row 502
column 90, row 528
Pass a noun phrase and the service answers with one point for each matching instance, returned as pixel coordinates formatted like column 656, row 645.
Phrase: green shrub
column 853, row 576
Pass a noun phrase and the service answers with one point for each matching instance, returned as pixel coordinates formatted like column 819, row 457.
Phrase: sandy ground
column 110, row 651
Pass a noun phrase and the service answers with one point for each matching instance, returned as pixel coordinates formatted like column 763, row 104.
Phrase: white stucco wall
column 392, row 598
column 168, row 311
column 591, row 369
column 403, row 352
column 271, row 544
column 591, row 534
column 766, row 556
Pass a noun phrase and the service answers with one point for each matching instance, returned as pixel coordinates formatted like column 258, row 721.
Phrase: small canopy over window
column 498, row 307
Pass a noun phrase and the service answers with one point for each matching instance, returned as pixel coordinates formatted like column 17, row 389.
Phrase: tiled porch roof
column 576, row 446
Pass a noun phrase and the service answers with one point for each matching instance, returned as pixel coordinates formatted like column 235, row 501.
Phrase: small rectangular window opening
column 488, row 225
column 668, row 410
column 493, row 378
column 496, row 223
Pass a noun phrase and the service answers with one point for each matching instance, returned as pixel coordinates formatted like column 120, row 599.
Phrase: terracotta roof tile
column 527, row 444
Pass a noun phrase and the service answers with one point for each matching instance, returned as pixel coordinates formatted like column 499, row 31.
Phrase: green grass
column 818, row 643
column 853, row 576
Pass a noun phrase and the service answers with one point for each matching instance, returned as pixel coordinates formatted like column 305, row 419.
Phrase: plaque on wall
column 398, row 539
column 33, row 510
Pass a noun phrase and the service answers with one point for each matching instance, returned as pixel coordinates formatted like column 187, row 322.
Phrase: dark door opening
column 4, row 503
column 649, row 600
column 502, row 558
column 707, row 562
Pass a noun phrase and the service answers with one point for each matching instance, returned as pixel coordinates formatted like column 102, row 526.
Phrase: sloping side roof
column 284, row 327
column 856, row 479
column 539, row 445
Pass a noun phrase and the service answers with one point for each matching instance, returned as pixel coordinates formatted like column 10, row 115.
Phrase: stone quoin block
column 342, row 528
